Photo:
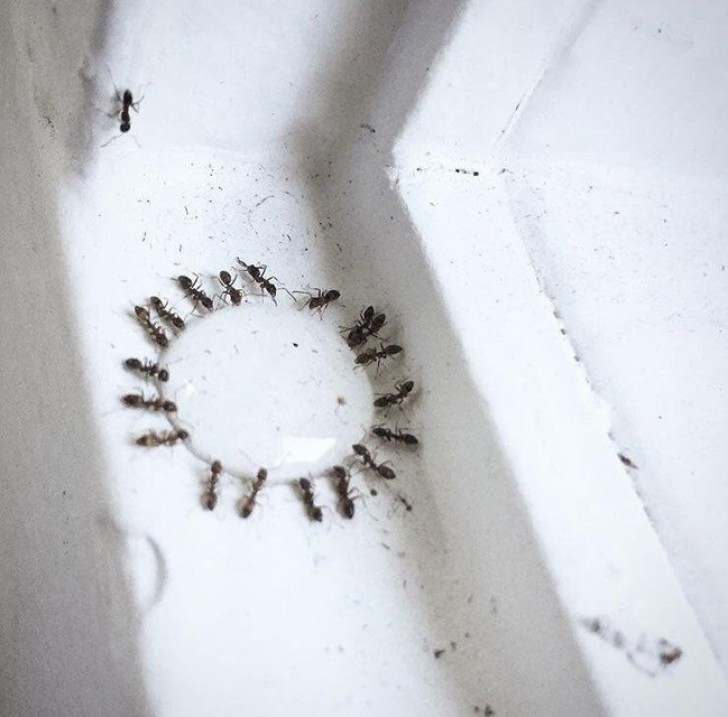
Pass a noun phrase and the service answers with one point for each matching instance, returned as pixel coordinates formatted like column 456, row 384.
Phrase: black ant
column 209, row 497
column 322, row 299
column 149, row 368
column 127, row 101
column 343, row 489
column 249, row 502
column 192, row 289
column 368, row 460
column 155, row 331
column 257, row 274
column 402, row 390
column 397, row 435
column 405, row 502
column 368, row 357
column 167, row 314
column 314, row 511
column 139, row 400
column 236, row 296
column 369, row 323
column 169, row 438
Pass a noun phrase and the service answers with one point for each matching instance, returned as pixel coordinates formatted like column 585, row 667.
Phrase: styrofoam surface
column 266, row 134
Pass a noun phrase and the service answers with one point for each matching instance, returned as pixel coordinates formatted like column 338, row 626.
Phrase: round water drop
column 265, row 386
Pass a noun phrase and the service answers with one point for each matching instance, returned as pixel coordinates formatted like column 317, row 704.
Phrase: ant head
column 182, row 434
column 163, row 375
column 184, row 281
column 128, row 98
column 225, row 278
column 305, row 484
column 216, row 467
column 141, row 313
column 338, row 472
column 209, row 500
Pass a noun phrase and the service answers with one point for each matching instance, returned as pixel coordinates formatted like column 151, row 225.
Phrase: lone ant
column 166, row 314
column 127, row 102
column 322, row 299
column 148, row 368
column 257, row 274
column 407, row 505
column 367, row 459
column 369, row 323
column 370, row 356
column 397, row 435
column 313, row 510
column 209, row 497
column 343, row 490
column 236, row 296
column 402, row 390
column 249, row 502
column 124, row 102
column 192, row 289
column 155, row 331
column 139, row 400
column 168, row 438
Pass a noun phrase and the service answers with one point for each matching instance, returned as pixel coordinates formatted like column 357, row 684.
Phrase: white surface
column 533, row 170
column 265, row 133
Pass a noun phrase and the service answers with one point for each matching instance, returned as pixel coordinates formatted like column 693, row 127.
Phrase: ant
column 127, row 101
column 322, row 299
column 192, row 289
column 257, row 274
column 342, row 478
column 236, row 296
column 209, row 497
column 149, row 368
column 370, row 356
column 249, row 502
column 169, row 438
column 166, row 314
column 139, row 400
column 368, row 460
column 155, row 331
column 314, row 511
column 369, row 323
column 404, row 502
column 397, row 435
column 402, row 390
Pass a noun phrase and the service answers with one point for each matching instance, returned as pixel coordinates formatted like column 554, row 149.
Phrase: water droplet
column 266, row 386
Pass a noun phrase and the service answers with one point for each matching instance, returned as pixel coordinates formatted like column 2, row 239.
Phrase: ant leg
column 108, row 142
column 135, row 105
